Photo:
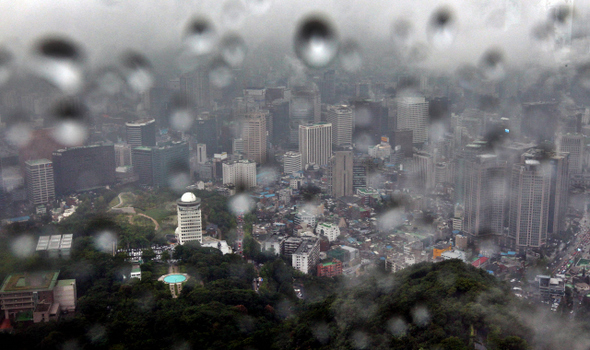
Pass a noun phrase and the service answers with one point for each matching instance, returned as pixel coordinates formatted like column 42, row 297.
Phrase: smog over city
column 264, row 174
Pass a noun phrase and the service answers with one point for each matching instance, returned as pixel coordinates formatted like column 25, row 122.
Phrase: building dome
column 188, row 197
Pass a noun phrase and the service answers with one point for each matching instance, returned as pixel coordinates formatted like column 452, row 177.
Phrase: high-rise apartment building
column 254, row 136
column 412, row 113
column 315, row 143
column 39, row 180
column 83, row 168
column 188, row 208
column 292, row 162
column 342, row 124
column 307, row 255
column 574, row 145
column 340, row 174
column 403, row 138
column 241, row 173
column 141, row 133
column 529, row 204
column 206, row 132
column 485, row 196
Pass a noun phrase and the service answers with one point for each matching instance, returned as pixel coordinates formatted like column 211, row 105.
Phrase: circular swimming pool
column 174, row 278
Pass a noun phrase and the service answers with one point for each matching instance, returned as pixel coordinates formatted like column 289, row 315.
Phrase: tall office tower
column 83, row 168
column 327, row 87
column 340, row 174
column 529, row 204
column 292, row 162
column 342, row 124
column 485, row 196
column 195, row 86
column 468, row 154
column 315, row 143
column 201, row 153
column 241, row 173
column 188, row 208
column 254, row 136
column 412, row 113
column 403, row 138
column 574, row 145
column 206, row 132
column 122, row 154
column 157, row 166
column 304, row 108
column 141, row 133
column 424, row 170
column 371, row 119
column 39, row 180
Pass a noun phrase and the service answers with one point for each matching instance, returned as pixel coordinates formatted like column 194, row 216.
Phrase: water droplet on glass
column 200, row 37
column 418, row 52
column 258, row 7
column 316, row 42
column 137, row 72
column 241, row 204
column 397, row 326
column 401, row 32
column 233, row 50
column 71, row 125
column 442, row 28
column 104, row 241
column 233, row 14
column 220, row 74
column 492, row 64
column 468, row 77
column 6, row 59
column 350, row 56
column 179, row 178
column 23, row 246
column 19, row 134
column 182, row 117
column 110, row 82
column 560, row 14
column 59, row 62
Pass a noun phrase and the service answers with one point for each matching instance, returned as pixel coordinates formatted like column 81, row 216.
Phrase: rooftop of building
column 65, row 283
column 26, row 282
column 38, row 161
column 188, row 197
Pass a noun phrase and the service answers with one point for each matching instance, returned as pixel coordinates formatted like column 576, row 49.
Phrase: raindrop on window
column 401, row 33
column 200, row 37
column 233, row 50
column 233, row 14
column 492, row 64
column 316, row 42
column 71, row 124
column 442, row 28
column 137, row 72
column 350, row 56
column 220, row 74
column 258, row 7
column 182, row 117
column 58, row 61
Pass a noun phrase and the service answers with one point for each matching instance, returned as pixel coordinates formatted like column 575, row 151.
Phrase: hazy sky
column 105, row 28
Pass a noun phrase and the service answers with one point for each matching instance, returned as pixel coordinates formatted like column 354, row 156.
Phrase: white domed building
column 190, row 226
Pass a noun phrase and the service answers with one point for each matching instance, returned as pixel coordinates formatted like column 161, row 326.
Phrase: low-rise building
column 135, row 272
column 330, row 268
column 331, row 231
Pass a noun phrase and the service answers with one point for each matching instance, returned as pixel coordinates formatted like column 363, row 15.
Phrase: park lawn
column 158, row 214
column 114, row 202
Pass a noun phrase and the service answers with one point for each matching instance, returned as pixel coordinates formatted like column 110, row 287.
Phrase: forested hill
column 447, row 305
column 431, row 306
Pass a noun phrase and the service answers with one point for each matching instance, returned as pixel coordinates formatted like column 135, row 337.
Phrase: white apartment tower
column 342, row 124
column 189, row 219
column 122, row 155
column 315, row 143
column 254, row 136
column 412, row 113
column 307, row 255
column 291, row 162
column 40, row 183
column 241, row 173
